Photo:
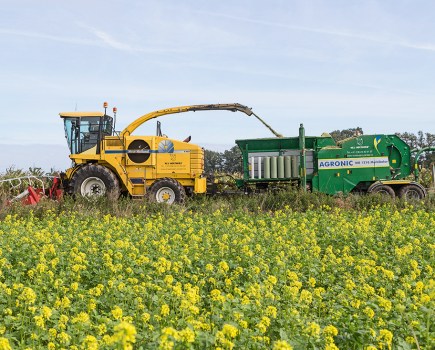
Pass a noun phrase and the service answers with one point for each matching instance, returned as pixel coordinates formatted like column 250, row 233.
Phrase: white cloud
column 324, row 31
column 63, row 39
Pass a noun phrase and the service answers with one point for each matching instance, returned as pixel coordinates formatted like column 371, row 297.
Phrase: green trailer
column 364, row 164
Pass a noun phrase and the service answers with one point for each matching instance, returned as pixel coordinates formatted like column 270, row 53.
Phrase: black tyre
column 412, row 192
column 384, row 190
column 93, row 180
column 166, row 190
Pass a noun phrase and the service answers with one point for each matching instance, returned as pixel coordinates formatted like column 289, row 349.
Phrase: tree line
column 230, row 161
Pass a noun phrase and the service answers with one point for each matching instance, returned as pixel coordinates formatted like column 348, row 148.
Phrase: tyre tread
column 85, row 171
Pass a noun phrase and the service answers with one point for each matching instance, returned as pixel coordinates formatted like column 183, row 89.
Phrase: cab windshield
column 83, row 133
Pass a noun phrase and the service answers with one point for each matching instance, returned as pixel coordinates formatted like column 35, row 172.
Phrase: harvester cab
column 85, row 130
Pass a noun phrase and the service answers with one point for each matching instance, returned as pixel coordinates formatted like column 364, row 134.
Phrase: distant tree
column 421, row 140
column 339, row 135
column 232, row 161
column 409, row 138
column 229, row 161
column 212, row 161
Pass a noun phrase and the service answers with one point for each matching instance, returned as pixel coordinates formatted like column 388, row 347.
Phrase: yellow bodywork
column 185, row 163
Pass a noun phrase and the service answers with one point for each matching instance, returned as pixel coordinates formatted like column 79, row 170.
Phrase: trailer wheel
column 166, row 190
column 412, row 192
column 384, row 190
column 93, row 180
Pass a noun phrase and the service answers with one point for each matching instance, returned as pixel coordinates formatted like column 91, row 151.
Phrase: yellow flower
column 330, row 331
column 90, row 343
column 102, row 329
column 74, row 286
column 385, row 337
column 306, row 297
column 92, row 304
column 229, row 331
column 272, row 279
column 223, row 267
column 271, row 311
column 263, row 324
column 4, row 344
column 216, row 295
column 146, row 317
column 125, row 333
column 168, row 279
column 117, row 313
column 39, row 321
column 170, row 332
column 82, row 317
column 46, row 312
column 281, row 345
column 312, row 282
column 52, row 333
column 313, row 329
column 164, row 311
column 64, row 338
column 28, row 295
column 419, row 287
column 243, row 324
column 187, row 335
column 369, row 312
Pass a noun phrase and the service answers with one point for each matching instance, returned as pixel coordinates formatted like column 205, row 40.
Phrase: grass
column 294, row 199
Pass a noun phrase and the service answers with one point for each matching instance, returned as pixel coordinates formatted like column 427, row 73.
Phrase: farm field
column 325, row 278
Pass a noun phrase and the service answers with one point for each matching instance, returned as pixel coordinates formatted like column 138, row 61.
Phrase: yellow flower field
column 323, row 279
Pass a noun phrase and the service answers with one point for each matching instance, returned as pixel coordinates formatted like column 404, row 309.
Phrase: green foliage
column 229, row 161
column 421, row 140
column 212, row 162
column 339, row 135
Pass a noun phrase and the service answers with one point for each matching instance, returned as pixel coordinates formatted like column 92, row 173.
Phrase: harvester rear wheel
column 93, row 180
column 166, row 190
column 384, row 190
column 411, row 192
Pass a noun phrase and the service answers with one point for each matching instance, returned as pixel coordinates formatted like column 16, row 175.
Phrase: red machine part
column 33, row 195
column 55, row 192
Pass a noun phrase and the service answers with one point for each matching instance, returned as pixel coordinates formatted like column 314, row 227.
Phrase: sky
column 330, row 65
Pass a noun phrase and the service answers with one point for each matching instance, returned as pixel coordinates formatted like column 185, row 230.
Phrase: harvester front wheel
column 412, row 192
column 166, row 190
column 93, row 180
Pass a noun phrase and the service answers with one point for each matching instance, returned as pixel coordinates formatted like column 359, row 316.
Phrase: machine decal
column 376, row 142
column 166, row 146
column 366, row 162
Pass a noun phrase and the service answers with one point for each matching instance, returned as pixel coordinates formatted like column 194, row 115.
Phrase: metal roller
column 295, row 170
column 266, row 167
column 281, row 167
column 273, row 167
column 287, row 167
